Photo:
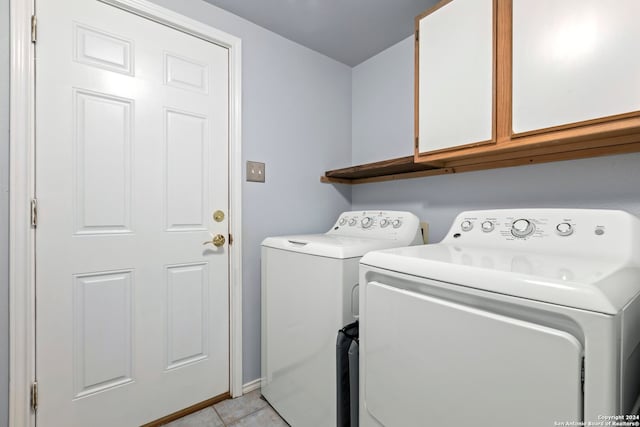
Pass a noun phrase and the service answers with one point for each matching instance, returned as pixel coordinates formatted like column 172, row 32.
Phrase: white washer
column 309, row 292
column 518, row 317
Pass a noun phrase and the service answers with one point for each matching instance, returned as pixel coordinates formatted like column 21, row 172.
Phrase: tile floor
column 250, row 410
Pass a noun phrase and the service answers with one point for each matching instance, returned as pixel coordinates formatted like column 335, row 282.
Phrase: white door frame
column 22, row 190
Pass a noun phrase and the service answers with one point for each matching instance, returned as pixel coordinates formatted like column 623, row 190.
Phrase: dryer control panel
column 552, row 230
column 377, row 225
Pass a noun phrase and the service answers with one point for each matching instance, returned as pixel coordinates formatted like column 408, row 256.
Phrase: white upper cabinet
column 455, row 75
column 574, row 61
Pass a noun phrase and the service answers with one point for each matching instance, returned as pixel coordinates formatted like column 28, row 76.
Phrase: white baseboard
column 250, row 386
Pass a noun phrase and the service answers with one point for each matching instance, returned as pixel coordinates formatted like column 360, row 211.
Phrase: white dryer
column 309, row 292
column 522, row 318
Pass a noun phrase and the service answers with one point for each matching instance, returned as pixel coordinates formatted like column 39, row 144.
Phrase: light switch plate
column 255, row 171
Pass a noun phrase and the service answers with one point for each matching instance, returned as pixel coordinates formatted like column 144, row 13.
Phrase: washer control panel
column 577, row 229
column 376, row 224
column 518, row 227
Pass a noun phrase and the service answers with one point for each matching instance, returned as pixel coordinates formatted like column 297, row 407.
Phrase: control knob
column 487, row 226
column 396, row 223
column 342, row 221
column 522, row 227
column 366, row 222
column 466, row 225
column 352, row 222
column 384, row 222
column 564, row 229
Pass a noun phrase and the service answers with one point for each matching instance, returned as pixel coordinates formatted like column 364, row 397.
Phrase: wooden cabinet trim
column 429, row 11
column 577, row 124
column 523, row 159
column 504, row 69
column 571, row 148
column 595, row 132
column 419, row 156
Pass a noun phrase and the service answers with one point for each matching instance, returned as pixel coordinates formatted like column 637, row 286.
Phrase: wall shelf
column 386, row 170
column 406, row 168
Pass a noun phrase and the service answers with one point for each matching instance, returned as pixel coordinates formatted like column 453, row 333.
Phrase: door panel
column 455, row 76
column 103, row 181
column 429, row 359
column 571, row 61
column 187, row 314
column 131, row 162
column 186, row 167
column 103, row 331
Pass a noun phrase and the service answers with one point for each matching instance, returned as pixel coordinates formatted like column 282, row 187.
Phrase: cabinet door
column 574, row 61
column 455, row 75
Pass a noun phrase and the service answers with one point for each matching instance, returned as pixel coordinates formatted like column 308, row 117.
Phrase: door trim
column 22, row 190
column 21, row 235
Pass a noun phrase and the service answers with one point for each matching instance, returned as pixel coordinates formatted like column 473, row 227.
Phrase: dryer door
column 428, row 361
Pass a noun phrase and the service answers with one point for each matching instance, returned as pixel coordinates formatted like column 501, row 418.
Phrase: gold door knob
column 217, row 240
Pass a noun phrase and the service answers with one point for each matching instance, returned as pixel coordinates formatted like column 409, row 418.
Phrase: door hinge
column 34, row 29
column 34, row 396
column 34, row 213
column 582, row 375
column 230, row 239
column 417, row 35
column 417, row 143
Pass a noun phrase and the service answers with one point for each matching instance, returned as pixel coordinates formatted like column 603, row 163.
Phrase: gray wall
column 601, row 182
column 382, row 107
column 4, row 213
column 297, row 119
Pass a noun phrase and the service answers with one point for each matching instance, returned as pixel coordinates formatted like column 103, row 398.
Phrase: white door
column 131, row 162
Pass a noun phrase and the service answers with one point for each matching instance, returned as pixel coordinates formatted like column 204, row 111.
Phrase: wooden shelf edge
column 390, row 177
column 406, row 175
column 328, row 180
column 384, row 167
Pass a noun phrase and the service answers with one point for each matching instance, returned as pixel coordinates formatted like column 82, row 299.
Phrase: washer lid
column 602, row 284
column 329, row 245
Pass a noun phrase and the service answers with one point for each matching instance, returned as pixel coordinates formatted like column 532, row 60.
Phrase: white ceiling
column 349, row 31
